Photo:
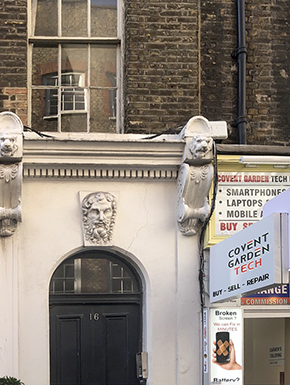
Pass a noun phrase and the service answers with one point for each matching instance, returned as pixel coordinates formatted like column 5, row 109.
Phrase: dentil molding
column 115, row 157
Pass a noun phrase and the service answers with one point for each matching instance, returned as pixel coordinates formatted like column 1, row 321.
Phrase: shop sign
column 278, row 295
column 280, row 204
column 226, row 345
column 241, row 197
column 250, row 260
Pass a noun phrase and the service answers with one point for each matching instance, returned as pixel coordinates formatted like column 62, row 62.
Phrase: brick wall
column 13, row 59
column 161, row 64
column 268, row 69
column 15, row 100
column 171, row 75
column 218, row 69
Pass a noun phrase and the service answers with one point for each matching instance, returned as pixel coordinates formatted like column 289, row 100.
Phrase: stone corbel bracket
column 195, row 176
column 11, row 152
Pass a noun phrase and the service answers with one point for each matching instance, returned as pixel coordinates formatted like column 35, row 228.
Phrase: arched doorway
column 95, row 320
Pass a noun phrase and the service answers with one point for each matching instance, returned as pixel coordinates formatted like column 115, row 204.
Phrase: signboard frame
column 230, row 164
column 250, row 260
column 230, row 320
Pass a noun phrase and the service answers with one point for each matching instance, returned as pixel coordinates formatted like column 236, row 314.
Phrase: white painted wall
column 9, row 305
column 145, row 229
column 142, row 174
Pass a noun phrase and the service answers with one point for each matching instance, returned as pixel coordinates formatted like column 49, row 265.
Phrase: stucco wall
column 146, row 231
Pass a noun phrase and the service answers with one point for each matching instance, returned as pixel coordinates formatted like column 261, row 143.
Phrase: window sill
column 50, row 117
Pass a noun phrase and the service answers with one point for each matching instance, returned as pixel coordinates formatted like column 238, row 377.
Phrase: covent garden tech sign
column 241, row 197
column 250, row 260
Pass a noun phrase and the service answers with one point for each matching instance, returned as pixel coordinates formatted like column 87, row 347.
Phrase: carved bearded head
column 99, row 212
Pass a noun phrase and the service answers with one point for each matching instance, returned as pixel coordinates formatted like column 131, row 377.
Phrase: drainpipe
column 241, row 55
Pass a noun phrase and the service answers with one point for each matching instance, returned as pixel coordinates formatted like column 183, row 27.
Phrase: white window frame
column 65, row 89
column 59, row 40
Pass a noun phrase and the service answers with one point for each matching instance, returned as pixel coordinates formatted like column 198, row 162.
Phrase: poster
column 277, row 355
column 241, row 197
column 226, row 346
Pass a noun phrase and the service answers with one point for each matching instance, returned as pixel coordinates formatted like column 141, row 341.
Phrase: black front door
column 94, row 344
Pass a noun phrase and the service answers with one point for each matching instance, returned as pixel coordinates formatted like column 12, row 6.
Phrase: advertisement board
column 241, row 192
column 249, row 260
column 241, row 197
column 278, row 295
column 226, row 346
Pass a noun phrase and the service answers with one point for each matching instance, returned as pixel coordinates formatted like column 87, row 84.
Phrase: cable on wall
column 202, row 233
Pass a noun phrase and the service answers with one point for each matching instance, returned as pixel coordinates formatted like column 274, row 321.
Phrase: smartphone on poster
column 222, row 347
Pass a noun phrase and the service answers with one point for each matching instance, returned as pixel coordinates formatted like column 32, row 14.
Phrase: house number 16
column 94, row 317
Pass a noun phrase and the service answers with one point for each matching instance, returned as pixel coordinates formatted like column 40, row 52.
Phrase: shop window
column 74, row 83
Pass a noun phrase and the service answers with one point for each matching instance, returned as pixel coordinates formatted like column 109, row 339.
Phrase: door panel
column 117, row 338
column 69, row 337
column 94, row 344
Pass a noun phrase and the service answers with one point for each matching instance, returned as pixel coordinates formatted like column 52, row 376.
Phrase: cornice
column 113, row 157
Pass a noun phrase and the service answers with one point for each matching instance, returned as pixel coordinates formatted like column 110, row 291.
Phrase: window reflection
column 73, row 91
column 72, row 95
column 44, row 17
column 73, row 71
column 74, row 18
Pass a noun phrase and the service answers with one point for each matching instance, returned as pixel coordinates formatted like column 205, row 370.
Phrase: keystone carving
column 11, row 146
column 195, row 176
column 99, row 211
